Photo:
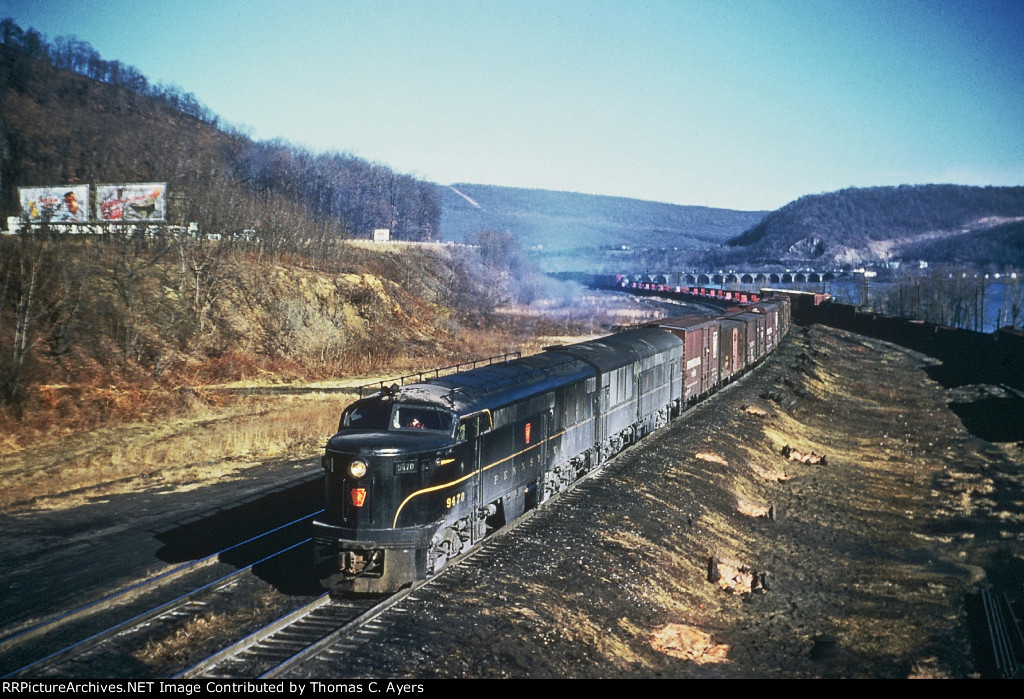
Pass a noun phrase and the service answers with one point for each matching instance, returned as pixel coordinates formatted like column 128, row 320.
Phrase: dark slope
column 854, row 225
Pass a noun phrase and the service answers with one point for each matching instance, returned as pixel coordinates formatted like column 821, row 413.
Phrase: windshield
column 385, row 416
column 415, row 417
column 368, row 417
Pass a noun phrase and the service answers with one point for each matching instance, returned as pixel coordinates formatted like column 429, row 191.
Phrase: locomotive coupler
column 358, row 563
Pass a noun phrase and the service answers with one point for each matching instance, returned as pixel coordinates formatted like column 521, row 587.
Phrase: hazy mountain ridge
column 859, row 225
column 567, row 220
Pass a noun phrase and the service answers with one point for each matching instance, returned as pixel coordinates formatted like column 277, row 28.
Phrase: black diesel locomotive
column 418, row 474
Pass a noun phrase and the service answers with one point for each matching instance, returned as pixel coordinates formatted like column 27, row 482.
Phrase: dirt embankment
column 668, row 565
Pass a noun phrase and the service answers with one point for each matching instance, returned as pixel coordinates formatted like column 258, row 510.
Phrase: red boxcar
column 732, row 347
column 700, row 336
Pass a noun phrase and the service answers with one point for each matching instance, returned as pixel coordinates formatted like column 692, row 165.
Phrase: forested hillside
column 1001, row 245
column 931, row 222
column 113, row 325
column 67, row 116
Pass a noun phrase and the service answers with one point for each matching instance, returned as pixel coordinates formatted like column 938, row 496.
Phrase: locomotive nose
column 348, row 483
column 344, row 466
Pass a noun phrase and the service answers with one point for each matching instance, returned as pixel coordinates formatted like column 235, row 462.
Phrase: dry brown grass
column 184, row 437
column 179, row 645
column 124, row 434
column 182, row 452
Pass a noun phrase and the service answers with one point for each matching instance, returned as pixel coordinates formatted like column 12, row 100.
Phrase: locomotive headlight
column 357, row 469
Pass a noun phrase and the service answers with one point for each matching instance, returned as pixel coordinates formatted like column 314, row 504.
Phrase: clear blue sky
column 744, row 105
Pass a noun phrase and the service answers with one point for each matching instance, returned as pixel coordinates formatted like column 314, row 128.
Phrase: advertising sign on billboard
column 132, row 202
column 68, row 204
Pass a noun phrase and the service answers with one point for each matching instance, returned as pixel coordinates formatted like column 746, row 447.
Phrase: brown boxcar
column 770, row 310
column 732, row 350
column 756, row 325
column 784, row 305
column 700, row 352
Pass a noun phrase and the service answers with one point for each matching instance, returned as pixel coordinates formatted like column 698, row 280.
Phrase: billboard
column 67, row 204
column 132, row 202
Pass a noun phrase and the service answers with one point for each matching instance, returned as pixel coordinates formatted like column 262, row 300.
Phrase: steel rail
column 254, row 638
column 154, row 612
column 137, row 588
column 1001, row 632
column 330, row 638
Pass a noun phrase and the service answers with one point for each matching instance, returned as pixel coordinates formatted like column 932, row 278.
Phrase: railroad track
column 292, row 639
column 112, row 629
column 323, row 626
column 998, row 635
column 327, row 629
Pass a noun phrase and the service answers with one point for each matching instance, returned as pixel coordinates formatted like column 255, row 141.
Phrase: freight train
column 417, row 474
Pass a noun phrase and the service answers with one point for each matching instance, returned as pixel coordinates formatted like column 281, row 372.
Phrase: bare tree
column 30, row 296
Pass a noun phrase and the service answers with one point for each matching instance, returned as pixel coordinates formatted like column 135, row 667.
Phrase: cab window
column 473, row 425
column 421, row 418
column 367, row 417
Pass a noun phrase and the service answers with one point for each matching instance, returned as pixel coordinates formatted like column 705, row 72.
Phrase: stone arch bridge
column 722, row 278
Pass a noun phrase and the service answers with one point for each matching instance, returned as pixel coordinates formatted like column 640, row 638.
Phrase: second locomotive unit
column 417, row 474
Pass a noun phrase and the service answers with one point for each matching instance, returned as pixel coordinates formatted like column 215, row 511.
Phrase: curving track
column 108, row 630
